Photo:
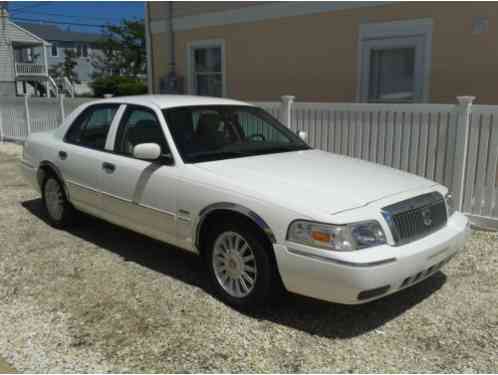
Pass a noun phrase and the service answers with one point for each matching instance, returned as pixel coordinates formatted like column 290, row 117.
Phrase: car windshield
column 207, row 133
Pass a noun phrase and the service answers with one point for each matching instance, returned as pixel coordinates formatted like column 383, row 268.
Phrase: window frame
column 84, row 113
column 390, row 35
column 52, row 50
column 120, row 126
column 204, row 44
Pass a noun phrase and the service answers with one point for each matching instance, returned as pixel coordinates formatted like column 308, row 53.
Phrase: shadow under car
column 298, row 312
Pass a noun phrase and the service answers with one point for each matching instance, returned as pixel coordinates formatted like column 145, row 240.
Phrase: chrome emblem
column 427, row 217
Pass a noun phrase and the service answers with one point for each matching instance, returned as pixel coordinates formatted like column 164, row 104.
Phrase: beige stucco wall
column 315, row 57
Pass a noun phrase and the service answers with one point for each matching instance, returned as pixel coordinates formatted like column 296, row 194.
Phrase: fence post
column 61, row 104
column 1, row 128
column 464, row 110
column 26, row 109
column 285, row 109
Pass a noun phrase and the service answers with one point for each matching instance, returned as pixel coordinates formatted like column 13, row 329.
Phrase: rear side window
column 91, row 127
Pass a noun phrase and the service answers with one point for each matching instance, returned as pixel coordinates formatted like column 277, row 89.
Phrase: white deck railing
column 30, row 69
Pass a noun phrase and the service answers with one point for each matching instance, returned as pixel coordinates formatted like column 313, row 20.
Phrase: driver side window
column 256, row 128
column 139, row 125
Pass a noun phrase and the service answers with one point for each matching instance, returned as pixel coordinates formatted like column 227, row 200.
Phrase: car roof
column 171, row 101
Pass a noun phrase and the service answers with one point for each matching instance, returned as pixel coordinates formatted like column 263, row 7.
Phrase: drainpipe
column 148, row 47
column 172, row 38
column 171, row 80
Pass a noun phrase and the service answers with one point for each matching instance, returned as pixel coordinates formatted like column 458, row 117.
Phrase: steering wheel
column 260, row 136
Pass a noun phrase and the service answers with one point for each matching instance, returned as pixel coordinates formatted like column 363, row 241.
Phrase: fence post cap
column 288, row 98
column 466, row 99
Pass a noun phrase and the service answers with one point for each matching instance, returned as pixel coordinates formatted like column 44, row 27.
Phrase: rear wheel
column 239, row 265
column 59, row 211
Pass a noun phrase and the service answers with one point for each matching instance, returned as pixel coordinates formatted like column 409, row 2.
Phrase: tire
column 240, row 265
column 59, row 212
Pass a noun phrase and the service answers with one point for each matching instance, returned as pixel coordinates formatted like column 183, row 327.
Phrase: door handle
column 108, row 167
column 63, row 155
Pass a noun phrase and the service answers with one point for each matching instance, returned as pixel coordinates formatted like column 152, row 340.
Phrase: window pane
column 139, row 126
column 207, row 60
column 54, row 50
column 91, row 127
column 97, row 126
column 209, row 84
column 257, row 129
column 392, row 73
column 215, row 132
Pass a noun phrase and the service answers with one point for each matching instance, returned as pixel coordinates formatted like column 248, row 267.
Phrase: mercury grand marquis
column 225, row 180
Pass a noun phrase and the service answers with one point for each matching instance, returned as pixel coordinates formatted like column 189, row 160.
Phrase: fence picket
column 440, row 146
column 491, row 173
column 468, row 193
column 482, row 160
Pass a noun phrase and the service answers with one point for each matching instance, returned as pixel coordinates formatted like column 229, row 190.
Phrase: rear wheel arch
column 47, row 168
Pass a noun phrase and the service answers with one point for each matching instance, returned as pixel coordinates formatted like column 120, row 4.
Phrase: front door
column 139, row 194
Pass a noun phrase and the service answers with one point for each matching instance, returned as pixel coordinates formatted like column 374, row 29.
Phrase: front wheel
column 240, row 266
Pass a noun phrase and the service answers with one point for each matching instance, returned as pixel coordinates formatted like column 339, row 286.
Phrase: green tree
column 66, row 68
column 122, row 51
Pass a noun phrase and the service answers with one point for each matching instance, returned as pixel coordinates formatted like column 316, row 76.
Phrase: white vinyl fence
column 20, row 116
column 453, row 144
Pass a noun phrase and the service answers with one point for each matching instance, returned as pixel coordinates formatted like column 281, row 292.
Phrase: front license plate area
column 424, row 273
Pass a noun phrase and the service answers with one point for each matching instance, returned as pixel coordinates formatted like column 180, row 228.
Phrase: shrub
column 118, row 86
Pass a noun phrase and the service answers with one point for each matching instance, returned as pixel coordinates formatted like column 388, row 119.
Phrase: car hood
column 312, row 180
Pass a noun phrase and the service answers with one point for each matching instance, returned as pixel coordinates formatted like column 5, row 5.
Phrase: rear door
column 140, row 194
column 80, row 155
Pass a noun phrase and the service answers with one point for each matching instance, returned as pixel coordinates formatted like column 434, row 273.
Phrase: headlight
column 337, row 237
column 450, row 208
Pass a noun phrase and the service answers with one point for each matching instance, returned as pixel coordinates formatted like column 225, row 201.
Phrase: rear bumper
column 30, row 174
column 362, row 276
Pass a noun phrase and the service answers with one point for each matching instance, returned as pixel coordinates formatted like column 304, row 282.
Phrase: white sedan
column 225, row 180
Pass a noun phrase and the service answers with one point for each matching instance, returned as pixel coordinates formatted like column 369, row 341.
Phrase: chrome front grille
column 416, row 217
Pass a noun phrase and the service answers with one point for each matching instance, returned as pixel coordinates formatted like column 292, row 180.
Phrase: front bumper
column 362, row 276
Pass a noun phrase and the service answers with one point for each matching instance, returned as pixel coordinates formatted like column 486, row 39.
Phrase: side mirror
column 302, row 134
column 147, row 151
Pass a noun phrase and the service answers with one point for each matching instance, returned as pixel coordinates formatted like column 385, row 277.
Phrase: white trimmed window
column 395, row 61
column 53, row 51
column 206, row 66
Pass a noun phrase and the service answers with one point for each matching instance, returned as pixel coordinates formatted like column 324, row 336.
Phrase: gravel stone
column 98, row 298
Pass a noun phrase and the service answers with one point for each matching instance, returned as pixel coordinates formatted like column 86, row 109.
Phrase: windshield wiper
column 276, row 149
column 214, row 155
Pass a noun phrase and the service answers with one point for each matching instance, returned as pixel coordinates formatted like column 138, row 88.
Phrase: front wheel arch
column 220, row 214
column 209, row 213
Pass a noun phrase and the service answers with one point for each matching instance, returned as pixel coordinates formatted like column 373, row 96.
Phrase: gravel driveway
column 99, row 298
